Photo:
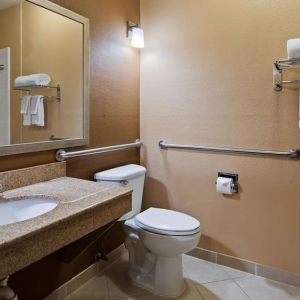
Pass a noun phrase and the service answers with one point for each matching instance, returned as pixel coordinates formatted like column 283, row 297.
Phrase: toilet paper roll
column 223, row 185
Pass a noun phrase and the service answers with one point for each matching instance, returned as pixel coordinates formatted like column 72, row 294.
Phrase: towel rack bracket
column 279, row 66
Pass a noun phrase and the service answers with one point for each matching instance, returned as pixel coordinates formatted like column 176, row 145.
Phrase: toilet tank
column 131, row 175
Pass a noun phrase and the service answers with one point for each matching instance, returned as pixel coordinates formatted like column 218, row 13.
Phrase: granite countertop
column 83, row 206
column 74, row 196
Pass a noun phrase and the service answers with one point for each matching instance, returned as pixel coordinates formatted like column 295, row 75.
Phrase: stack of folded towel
column 32, row 109
column 33, row 80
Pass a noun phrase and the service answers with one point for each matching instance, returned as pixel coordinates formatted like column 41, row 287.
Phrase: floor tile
column 201, row 271
column 205, row 281
column 190, row 293
column 222, row 290
column 94, row 289
column 259, row 288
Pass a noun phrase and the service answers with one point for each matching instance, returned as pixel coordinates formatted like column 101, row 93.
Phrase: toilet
column 155, row 238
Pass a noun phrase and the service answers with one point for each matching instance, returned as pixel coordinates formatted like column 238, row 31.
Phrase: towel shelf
column 287, row 63
column 38, row 87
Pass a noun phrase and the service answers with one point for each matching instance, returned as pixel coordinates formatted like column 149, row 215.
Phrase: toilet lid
column 169, row 222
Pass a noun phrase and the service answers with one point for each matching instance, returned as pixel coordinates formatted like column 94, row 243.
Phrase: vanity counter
column 84, row 206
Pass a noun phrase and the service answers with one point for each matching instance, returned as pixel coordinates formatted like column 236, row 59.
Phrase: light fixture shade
column 137, row 39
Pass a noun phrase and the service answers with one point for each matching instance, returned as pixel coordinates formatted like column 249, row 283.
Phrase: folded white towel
column 293, row 48
column 33, row 80
column 37, row 111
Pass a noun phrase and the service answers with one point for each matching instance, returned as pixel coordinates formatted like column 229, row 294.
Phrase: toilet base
column 165, row 280
column 155, row 261
column 159, row 275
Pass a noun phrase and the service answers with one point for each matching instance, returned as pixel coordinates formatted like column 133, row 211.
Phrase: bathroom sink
column 15, row 210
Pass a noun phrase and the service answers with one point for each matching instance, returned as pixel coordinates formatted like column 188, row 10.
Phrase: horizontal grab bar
column 293, row 153
column 62, row 155
column 2, row 67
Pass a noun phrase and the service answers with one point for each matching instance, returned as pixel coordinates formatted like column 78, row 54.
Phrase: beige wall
column 206, row 78
column 10, row 32
column 53, row 44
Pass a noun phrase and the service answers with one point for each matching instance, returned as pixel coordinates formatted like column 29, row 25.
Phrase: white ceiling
column 7, row 3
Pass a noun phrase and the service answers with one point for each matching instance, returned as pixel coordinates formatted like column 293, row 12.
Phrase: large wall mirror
column 43, row 77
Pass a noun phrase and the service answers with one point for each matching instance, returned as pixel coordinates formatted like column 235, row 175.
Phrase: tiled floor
column 205, row 281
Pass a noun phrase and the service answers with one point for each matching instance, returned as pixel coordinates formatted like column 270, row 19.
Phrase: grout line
column 216, row 281
column 242, row 289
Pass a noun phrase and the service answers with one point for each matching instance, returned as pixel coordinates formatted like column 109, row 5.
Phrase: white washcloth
column 33, row 80
column 293, row 48
column 25, row 110
column 25, row 104
column 37, row 111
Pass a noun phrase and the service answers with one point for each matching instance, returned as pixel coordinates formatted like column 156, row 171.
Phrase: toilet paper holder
column 234, row 177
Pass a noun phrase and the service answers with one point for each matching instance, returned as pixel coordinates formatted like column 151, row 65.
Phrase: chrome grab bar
column 2, row 67
column 293, row 153
column 62, row 155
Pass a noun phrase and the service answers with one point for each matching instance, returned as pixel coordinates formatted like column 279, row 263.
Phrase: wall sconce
column 136, row 33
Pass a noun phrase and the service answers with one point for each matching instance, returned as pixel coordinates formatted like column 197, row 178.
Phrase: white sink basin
column 20, row 209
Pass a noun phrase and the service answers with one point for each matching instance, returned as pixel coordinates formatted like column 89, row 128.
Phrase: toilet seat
column 167, row 222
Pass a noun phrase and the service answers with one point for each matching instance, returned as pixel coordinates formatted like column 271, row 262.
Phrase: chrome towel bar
column 293, row 153
column 62, row 155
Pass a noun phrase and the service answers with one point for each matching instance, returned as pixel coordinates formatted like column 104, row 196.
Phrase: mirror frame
column 53, row 145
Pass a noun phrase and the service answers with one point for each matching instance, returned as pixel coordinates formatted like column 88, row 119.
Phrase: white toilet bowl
column 156, row 238
column 155, row 252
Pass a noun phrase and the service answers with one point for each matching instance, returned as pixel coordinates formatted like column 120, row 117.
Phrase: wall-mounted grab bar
column 62, row 155
column 293, row 153
column 2, row 67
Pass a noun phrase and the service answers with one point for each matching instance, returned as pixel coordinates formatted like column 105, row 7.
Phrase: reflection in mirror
column 42, row 84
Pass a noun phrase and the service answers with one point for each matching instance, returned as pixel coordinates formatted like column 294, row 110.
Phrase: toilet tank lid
column 121, row 173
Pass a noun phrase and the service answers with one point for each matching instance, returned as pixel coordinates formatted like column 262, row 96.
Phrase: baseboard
column 76, row 282
column 247, row 266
